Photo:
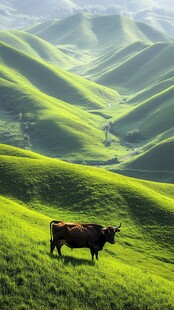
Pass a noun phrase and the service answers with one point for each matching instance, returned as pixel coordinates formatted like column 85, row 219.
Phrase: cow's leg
column 58, row 246
column 52, row 246
column 96, row 254
column 92, row 253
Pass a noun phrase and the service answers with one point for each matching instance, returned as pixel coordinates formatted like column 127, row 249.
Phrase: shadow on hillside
column 73, row 260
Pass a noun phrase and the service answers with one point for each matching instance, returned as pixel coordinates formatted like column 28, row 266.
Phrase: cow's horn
column 115, row 227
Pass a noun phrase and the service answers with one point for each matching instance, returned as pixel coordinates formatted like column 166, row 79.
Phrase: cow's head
column 109, row 233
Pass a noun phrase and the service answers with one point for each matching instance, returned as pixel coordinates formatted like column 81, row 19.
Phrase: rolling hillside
column 149, row 158
column 37, row 48
column 148, row 67
column 34, row 190
column 147, row 116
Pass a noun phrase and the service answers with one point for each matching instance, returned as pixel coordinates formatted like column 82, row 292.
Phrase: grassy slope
column 126, row 275
column 147, row 116
column 112, row 59
column 56, row 82
column 149, row 158
column 8, row 150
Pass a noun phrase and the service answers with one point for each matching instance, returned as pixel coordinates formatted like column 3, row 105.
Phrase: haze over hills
column 15, row 14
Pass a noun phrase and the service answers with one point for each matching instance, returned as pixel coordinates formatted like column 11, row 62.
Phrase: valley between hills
column 87, row 135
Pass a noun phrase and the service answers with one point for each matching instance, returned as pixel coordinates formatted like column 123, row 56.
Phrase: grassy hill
column 86, row 36
column 37, row 48
column 151, row 65
column 165, row 149
column 55, row 82
column 147, row 116
column 155, row 163
column 135, row 273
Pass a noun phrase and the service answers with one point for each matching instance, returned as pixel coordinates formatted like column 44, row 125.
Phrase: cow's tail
column 51, row 233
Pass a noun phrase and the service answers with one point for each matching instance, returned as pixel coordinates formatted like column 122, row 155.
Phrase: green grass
column 135, row 273
column 32, row 279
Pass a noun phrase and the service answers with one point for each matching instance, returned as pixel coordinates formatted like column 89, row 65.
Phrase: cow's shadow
column 66, row 259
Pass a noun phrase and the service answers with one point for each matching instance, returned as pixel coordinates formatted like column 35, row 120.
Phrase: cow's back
column 77, row 235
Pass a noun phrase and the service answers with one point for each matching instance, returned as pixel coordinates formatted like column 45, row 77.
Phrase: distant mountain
column 101, row 33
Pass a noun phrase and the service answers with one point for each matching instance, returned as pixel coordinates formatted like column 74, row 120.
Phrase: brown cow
column 75, row 235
